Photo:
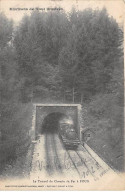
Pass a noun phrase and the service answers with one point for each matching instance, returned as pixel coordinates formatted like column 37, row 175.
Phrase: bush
column 15, row 126
column 104, row 116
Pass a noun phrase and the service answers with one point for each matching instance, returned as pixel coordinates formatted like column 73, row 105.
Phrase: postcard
column 62, row 95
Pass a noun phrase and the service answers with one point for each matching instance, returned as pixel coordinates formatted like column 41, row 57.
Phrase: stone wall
column 41, row 111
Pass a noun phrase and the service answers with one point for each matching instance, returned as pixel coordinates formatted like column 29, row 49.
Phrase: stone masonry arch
column 42, row 110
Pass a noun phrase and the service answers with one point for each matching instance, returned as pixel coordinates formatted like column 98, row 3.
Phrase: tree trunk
column 64, row 97
column 81, row 97
column 73, row 95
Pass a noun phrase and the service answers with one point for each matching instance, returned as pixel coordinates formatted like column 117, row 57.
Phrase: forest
column 55, row 56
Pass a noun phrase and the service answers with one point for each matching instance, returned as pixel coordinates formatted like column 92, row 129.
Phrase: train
column 68, row 134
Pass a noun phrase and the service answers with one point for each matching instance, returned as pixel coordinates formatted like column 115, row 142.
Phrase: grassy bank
column 103, row 120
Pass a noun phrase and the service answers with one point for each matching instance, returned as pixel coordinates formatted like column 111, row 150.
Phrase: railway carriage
column 68, row 134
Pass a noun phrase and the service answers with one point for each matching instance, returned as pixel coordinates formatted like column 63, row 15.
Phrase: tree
column 68, row 64
column 95, row 49
column 80, row 48
column 38, row 40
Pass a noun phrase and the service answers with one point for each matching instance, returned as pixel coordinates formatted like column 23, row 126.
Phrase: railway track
column 78, row 162
column 52, row 159
column 87, row 166
column 48, row 152
column 56, row 157
column 63, row 162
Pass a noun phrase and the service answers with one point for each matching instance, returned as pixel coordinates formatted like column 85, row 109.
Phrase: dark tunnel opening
column 50, row 123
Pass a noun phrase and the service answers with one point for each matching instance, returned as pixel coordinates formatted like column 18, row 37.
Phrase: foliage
column 83, row 48
column 55, row 56
column 13, row 119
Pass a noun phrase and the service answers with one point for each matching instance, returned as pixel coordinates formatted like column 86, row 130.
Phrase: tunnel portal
column 46, row 117
column 51, row 121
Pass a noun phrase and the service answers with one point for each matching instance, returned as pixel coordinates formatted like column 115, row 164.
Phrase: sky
column 115, row 8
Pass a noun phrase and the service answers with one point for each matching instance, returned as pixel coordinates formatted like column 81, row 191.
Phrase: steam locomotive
column 67, row 133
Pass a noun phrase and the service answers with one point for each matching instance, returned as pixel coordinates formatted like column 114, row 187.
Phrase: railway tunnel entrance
column 51, row 121
column 46, row 116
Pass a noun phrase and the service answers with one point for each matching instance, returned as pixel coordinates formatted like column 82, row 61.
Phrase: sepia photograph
column 62, row 95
